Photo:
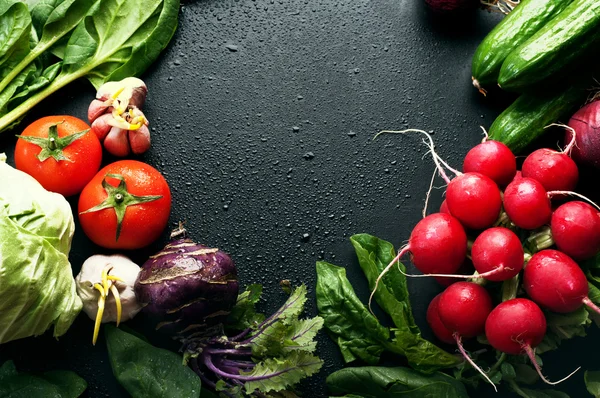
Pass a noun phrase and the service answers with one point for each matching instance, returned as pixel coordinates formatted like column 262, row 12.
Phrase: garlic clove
column 96, row 109
column 139, row 140
column 116, row 142
column 101, row 127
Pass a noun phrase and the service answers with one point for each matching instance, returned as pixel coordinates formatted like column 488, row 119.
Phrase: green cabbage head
column 37, row 289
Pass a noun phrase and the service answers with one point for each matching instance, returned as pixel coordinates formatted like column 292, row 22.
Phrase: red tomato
column 56, row 151
column 143, row 197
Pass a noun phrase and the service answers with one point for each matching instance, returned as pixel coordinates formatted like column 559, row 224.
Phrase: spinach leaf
column 528, row 393
column 147, row 371
column 562, row 327
column 374, row 255
column 384, row 382
column 56, row 384
column 592, row 382
column 120, row 38
column 15, row 29
column 355, row 330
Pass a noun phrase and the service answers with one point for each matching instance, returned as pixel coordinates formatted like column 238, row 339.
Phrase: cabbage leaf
column 37, row 289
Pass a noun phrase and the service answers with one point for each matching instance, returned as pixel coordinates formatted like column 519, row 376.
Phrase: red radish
column 472, row 198
column 554, row 280
column 516, row 327
column 437, row 244
column 556, row 171
column 576, row 230
column 433, row 319
column 518, row 175
column 527, row 204
column 444, row 207
column 497, row 254
column 463, row 309
column 492, row 159
column 586, row 122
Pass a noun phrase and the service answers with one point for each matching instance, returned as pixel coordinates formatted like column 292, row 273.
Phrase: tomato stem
column 119, row 199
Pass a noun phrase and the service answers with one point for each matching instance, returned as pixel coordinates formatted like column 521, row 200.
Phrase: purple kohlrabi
column 187, row 287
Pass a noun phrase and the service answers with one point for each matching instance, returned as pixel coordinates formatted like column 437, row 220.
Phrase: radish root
column 571, row 193
column 567, row 150
column 486, row 136
column 457, row 276
column 591, row 305
column 429, row 143
column 428, row 194
column 531, row 354
column 396, row 259
column 468, row 358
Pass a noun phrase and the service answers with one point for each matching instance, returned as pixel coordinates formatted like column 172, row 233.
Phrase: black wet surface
column 263, row 115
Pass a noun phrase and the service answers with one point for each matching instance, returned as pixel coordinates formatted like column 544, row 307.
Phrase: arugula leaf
column 275, row 374
column 355, row 330
column 562, row 327
column 374, row 255
column 279, row 338
column 243, row 315
column 384, row 382
column 283, row 332
column 592, row 382
column 147, row 371
column 56, row 384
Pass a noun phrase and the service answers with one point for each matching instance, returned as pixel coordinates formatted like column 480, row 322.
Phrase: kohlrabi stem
column 226, row 351
column 207, row 360
column 241, row 335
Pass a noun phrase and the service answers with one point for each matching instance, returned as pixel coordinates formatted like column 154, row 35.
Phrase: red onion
column 586, row 123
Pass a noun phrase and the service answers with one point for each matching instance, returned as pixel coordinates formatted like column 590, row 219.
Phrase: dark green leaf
column 528, row 393
column 243, row 315
column 350, row 324
column 374, row 255
column 15, row 30
column 120, row 38
column 207, row 394
column 508, row 371
column 384, row 382
column 422, row 354
column 526, row 374
column 69, row 384
column 592, row 382
column 56, row 384
column 562, row 327
column 147, row 371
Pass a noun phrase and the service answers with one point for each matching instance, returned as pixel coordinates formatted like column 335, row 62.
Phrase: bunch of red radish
column 493, row 202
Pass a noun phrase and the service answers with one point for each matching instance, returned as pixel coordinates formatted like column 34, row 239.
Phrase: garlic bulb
column 105, row 286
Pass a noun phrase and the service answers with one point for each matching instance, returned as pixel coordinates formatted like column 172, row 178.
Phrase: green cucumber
column 564, row 39
column 518, row 26
column 526, row 118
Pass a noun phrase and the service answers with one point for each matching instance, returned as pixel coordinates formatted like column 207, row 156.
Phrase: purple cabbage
column 187, row 287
